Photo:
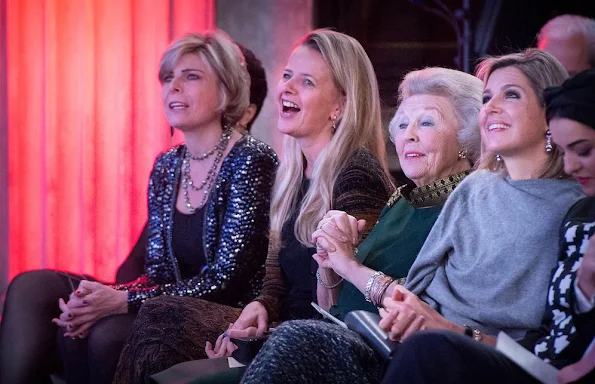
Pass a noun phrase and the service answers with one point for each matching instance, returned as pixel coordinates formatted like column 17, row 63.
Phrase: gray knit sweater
column 488, row 259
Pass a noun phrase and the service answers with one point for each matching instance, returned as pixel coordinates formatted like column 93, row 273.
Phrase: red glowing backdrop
column 84, row 125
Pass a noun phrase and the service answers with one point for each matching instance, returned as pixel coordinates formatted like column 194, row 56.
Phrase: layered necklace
column 209, row 180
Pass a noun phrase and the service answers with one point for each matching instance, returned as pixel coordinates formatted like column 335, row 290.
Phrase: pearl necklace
column 208, row 181
column 221, row 144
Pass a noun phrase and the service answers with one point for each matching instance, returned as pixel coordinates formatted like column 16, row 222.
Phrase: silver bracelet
column 369, row 285
column 325, row 285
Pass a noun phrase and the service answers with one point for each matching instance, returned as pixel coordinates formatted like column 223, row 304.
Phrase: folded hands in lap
column 404, row 314
column 89, row 303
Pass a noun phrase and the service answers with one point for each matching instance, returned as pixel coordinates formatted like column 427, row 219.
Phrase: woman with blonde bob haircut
column 225, row 59
column 333, row 158
column 204, row 237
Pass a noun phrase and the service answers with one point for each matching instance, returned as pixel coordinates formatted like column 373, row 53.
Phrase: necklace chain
column 207, row 183
column 221, row 144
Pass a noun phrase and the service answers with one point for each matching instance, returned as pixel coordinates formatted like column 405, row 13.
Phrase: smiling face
column 307, row 95
column 425, row 135
column 512, row 121
column 190, row 94
column 577, row 141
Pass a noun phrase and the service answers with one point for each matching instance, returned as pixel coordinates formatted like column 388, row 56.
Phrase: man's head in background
column 571, row 40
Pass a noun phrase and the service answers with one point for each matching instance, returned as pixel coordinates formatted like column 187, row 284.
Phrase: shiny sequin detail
column 235, row 228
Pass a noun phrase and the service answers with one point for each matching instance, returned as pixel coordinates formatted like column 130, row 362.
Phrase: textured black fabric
column 343, row 357
column 574, row 99
column 187, row 242
column 170, row 330
column 445, row 357
column 296, row 263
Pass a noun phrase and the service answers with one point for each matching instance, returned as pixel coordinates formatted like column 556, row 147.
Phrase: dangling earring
column 334, row 128
column 548, row 141
column 171, row 130
column 462, row 154
column 498, row 158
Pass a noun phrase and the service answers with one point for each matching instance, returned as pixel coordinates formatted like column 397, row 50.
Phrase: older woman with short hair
column 205, row 237
column 437, row 140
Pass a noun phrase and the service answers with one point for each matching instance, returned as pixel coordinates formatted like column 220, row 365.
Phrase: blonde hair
column 542, row 70
column 360, row 126
column 464, row 93
column 227, row 62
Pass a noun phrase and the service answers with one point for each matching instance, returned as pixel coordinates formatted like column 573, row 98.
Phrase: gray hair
column 227, row 62
column 568, row 25
column 464, row 92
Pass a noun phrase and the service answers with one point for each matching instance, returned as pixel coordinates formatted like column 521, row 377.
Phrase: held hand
column 338, row 256
column 341, row 227
column 254, row 315
column 400, row 325
column 410, row 314
column 99, row 301
column 586, row 272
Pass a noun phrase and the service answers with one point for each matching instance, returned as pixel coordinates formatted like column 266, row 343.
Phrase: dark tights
column 32, row 347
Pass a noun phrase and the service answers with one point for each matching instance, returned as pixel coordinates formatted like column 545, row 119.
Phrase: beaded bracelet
column 325, row 285
column 380, row 286
column 369, row 285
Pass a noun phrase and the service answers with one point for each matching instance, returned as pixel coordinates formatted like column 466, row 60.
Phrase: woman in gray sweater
column 485, row 265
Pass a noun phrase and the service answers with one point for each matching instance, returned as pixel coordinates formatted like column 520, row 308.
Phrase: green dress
column 397, row 237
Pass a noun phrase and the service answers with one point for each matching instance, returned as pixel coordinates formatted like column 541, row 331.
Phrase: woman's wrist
column 327, row 278
column 348, row 269
column 122, row 302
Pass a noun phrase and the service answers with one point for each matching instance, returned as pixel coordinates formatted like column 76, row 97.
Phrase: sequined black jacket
column 234, row 236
